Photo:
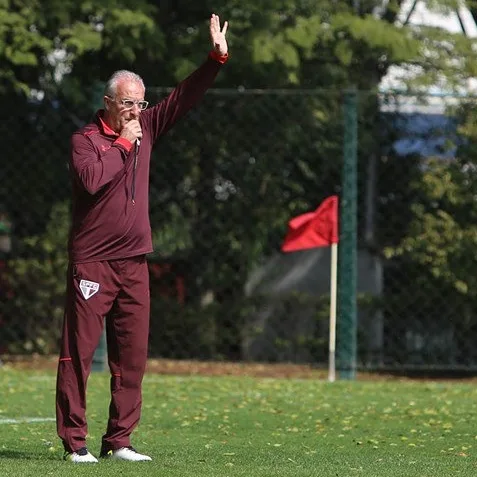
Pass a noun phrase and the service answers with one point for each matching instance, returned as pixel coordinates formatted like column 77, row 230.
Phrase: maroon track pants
column 115, row 292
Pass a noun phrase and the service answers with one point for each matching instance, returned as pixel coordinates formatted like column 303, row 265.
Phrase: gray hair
column 118, row 76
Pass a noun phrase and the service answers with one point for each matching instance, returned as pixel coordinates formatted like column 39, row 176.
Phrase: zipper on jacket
column 133, row 187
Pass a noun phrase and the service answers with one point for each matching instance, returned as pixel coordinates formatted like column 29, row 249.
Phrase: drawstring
column 133, row 188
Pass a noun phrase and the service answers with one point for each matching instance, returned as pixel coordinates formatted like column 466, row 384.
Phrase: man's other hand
column 132, row 131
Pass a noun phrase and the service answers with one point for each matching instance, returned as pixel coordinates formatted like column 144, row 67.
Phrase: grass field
column 244, row 426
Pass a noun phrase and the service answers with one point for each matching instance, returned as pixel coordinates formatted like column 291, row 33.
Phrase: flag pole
column 333, row 300
column 320, row 229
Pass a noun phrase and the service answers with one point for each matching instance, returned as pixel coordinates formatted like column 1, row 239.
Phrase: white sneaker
column 127, row 453
column 81, row 456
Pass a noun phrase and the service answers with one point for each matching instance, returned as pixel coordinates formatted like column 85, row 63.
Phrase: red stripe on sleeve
column 124, row 143
column 220, row 58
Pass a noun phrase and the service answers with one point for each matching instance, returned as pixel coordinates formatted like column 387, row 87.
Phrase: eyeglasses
column 129, row 103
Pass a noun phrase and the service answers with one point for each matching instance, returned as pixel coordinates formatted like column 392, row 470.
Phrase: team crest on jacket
column 88, row 289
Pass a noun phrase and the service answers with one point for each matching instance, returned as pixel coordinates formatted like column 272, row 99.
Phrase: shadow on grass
column 24, row 455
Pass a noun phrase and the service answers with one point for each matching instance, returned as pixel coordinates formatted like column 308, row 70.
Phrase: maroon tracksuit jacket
column 107, row 275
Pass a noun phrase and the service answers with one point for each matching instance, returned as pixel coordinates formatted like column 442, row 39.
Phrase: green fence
column 224, row 183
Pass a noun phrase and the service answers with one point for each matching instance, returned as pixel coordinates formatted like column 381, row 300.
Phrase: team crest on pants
column 88, row 289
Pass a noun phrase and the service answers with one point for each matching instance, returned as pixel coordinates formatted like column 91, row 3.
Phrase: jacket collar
column 105, row 128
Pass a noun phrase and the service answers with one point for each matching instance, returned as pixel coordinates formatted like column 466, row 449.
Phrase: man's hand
column 132, row 131
column 217, row 35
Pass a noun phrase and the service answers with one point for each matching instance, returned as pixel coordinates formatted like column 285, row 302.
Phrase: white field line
column 25, row 420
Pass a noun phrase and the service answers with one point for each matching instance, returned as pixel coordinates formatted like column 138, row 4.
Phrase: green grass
column 232, row 426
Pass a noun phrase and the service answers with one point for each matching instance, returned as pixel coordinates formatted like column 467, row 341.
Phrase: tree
column 225, row 181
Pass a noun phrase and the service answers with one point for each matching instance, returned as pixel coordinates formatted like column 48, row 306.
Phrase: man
column 107, row 279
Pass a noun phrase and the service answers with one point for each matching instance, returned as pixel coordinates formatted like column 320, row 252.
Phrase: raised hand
column 217, row 35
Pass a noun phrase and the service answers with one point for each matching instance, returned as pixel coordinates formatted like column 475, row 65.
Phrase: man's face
column 118, row 113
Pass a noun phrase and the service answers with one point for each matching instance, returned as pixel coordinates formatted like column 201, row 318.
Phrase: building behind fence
column 224, row 183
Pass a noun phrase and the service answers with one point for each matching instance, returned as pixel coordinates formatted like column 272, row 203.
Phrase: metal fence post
column 347, row 322
column 100, row 355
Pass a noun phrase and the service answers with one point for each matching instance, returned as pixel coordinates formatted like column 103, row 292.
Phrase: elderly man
column 107, row 278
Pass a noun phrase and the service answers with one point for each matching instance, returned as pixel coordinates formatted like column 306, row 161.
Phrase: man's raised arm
column 160, row 118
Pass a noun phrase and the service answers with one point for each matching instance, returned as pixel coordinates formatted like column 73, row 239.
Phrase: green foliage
column 175, row 235
column 181, row 332
column 21, row 45
column 225, row 183
column 440, row 235
column 41, row 42
column 32, row 316
column 374, row 37
column 80, row 38
column 277, row 43
column 437, row 250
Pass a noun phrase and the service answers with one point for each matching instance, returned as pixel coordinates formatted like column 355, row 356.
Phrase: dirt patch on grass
column 189, row 367
column 214, row 368
column 234, row 369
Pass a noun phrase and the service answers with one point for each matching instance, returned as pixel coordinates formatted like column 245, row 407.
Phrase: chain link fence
column 224, row 183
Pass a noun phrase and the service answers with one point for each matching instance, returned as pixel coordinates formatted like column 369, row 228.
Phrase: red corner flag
column 314, row 229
